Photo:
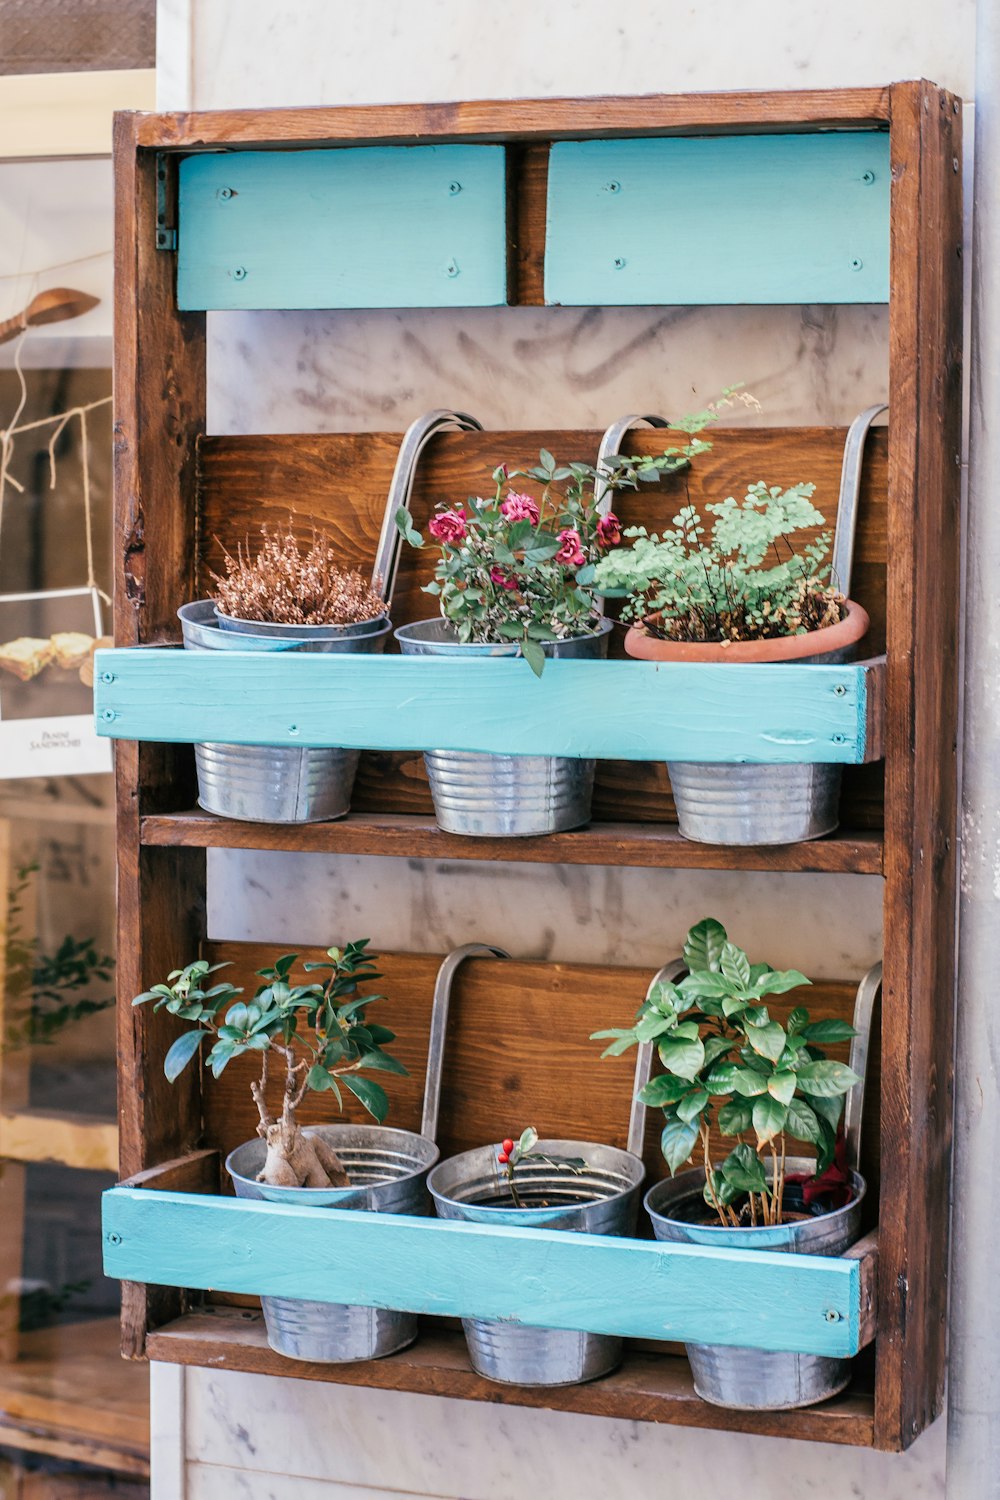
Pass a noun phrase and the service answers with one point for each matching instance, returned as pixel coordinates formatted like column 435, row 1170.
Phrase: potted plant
column 702, row 592
column 319, row 1031
column 730, row 1064
column 541, row 1184
column 286, row 596
column 514, row 577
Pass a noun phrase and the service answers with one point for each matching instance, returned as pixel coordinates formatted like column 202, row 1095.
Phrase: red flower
column 570, row 552
column 609, row 530
column 448, row 526
column 519, row 508
column 501, row 579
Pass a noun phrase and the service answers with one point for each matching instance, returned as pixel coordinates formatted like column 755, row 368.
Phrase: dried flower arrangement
column 287, row 583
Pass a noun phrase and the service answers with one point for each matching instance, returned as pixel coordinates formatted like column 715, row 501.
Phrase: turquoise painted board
column 374, row 226
column 719, row 219
column 637, row 1288
column 611, row 710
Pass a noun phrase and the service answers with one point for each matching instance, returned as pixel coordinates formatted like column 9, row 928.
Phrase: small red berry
column 503, row 1158
column 508, row 1146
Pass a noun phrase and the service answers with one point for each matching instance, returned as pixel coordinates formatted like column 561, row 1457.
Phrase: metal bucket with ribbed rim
column 504, row 796
column 602, row 1198
column 388, row 1171
column 758, row 1379
column 271, row 783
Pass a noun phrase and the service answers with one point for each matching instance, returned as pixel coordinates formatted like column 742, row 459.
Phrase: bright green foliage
column 727, row 1061
column 319, row 1027
column 699, row 584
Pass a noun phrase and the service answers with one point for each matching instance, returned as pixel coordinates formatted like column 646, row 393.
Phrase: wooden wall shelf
column 648, row 1387
column 180, row 496
column 644, row 845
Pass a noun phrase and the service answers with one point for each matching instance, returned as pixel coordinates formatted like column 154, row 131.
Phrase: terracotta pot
column 847, row 632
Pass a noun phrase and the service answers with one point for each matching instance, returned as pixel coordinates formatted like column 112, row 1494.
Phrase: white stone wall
column 232, row 1435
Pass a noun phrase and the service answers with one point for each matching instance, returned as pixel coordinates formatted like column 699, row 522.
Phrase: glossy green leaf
column 769, row 1118
column 181, row 1053
column 677, row 1140
column 826, row 1079
column 704, row 945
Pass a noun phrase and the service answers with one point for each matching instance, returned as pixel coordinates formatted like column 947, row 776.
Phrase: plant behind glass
column 727, row 1061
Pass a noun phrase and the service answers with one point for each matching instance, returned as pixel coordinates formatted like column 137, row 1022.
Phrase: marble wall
column 375, row 371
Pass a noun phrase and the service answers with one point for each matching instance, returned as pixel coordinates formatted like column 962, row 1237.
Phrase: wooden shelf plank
column 799, row 1303
column 648, row 1387
column 778, row 713
column 643, row 845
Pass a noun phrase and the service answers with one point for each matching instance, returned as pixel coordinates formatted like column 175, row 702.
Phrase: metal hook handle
column 864, row 1010
column 415, row 440
column 842, row 561
column 610, row 447
column 439, row 1028
column 676, row 969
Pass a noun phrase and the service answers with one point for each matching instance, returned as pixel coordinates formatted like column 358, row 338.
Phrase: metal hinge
column 166, row 232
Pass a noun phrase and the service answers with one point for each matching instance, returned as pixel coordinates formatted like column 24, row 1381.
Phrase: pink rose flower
column 501, row 579
column 609, row 530
column 570, row 552
column 448, row 526
column 519, row 508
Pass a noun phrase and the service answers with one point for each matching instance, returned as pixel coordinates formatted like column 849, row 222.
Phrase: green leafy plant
column 47, row 991
column 513, row 1153
column 699, row 584
column 727, row 1060
column 318, row 1028
column 514, row 568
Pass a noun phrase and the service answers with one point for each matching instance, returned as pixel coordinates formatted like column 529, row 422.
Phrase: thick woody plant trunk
column 294, row 1159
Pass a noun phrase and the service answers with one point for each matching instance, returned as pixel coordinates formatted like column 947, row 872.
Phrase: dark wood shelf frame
column 159, row 419
column 650, row 846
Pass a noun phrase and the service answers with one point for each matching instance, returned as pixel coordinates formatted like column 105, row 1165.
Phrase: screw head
column 239, row 273
column 840, row 690
column 832, row 1315
column 620, row 262
column 857, row 263
column 224, row 192
column 454, row 187
column 108, row 715
column 451, row 269
column 107, row 676
column 114, row 1238
column 840, row 739
column 293, row 729
column 612, row 187
column 868, row 177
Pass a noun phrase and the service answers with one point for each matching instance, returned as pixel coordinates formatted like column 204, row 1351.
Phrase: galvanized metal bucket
column 601, row 1199
column 388, row 1171
column 755, row 805
column 265, row 783
column 758, row 1379
column 504, row 796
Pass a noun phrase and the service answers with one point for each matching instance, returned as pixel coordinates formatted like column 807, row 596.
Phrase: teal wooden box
column 375, row 226
column 806, row 1304
column 719, row 219
column 778, row 713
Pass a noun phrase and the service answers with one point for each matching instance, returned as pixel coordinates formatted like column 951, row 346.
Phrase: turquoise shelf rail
column 610, row 710
column 636, row 1288
column 719, row 219
column 374, row 226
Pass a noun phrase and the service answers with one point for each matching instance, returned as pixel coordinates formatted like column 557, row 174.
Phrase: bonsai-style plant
column 727, row 1061
column 319, row 1031
column 520, row 569
column 288, row 583
column 710, row 583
